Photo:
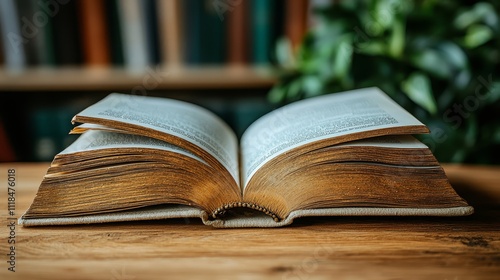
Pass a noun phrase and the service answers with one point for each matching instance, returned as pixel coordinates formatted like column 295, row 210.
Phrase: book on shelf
column 170, row 32
column 296, row 21
column 133, row 33
column 205, row 33
column 191, row 24
column 237, row 34
column 213, row 35
column 66, row 34
column 150, row 18
column 342, row 154
column 12, row 39
column 29, row 31
column 41, row 34
column 29, row 35
column 94, row 33
column 115, row 33
column 264, row 29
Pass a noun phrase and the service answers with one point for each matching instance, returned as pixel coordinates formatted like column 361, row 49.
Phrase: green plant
column 438, row 59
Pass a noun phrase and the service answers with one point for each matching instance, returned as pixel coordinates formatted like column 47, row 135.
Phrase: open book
column 142, row 158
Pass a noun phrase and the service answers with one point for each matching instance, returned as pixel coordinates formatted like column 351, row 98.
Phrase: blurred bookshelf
column 104, row 78
column 57, row 57
column 103, row 44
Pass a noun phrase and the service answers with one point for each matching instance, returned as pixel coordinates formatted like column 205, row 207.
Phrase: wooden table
column 317, row 248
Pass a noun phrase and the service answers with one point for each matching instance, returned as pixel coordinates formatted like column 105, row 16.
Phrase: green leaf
column 318, row 57
column 383, row 13
column 452, row 53
column 433, row 62
column 417, row 87
column 477, row 35
column 284, row 53
column 466, row 18
column 312, row 86
column 277, row 94
column 372, row 47
column 462, row 79
column 482, row 12
column 342, row 58
column 397, row 39
column 441, row 59
column 493, row 93
column 294, row 90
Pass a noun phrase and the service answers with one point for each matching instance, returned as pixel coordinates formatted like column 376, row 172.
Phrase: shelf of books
column 75, row 51
column 120, row 44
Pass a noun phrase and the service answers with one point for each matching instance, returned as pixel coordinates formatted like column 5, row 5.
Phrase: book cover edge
column 242, row 222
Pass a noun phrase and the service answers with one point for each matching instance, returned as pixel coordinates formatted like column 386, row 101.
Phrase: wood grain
column 317, row 248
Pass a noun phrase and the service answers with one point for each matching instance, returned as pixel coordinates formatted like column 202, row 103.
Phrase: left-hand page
column 186, row 125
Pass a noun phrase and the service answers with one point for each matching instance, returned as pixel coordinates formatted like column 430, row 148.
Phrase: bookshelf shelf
column 152, row 78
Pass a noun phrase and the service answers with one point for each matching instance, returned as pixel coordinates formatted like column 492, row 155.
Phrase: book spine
column 150, row 17
column 296, row 21
column 133, row 36
column 192, row 12
column 30, row 31
column 12, row 39
column 213, row 35
column 221, row 211
column 114, row 32
column 170, row 32
column 67, row 43
column 44, row 37
column 94, row 33
column 262, row 22
column 237, row 34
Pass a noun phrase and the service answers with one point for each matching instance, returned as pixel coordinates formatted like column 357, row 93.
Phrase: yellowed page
column 315, row 119
column 184, row 120
column 94, row 140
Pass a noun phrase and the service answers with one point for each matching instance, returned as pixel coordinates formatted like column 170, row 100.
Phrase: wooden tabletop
column 312, row 248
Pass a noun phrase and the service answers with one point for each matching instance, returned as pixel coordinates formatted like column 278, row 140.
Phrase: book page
column 187, row 121
column 91, row 126
column 388, row 141
column 97, row 140
column 315, row 119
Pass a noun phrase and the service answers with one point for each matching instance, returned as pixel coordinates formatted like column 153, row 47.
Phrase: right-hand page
column 355, row 113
